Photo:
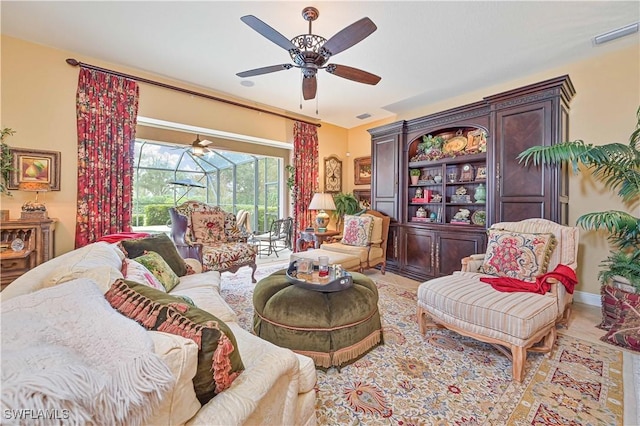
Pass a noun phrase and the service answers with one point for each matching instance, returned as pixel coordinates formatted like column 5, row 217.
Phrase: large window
column 166, row 175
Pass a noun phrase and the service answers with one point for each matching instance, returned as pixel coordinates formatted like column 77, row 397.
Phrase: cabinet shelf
column 460, row 159
column 468, row 182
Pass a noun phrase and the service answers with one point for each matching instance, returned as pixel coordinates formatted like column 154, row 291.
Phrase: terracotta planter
column 414, row 179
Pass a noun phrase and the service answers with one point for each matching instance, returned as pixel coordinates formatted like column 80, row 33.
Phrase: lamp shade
column 34, row 186
column 322, row 201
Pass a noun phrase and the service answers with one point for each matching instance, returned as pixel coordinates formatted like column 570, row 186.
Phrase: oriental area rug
column 446, row 379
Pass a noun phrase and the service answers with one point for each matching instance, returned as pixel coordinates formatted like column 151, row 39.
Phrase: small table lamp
column 321, row 202
column 34, row 209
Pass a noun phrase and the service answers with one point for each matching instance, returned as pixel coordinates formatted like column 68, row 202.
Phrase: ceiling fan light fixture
column 196, row 147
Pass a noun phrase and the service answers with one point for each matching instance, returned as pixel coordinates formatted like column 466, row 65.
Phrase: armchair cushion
column 376, row 231
column 357, row 230
column 463, row 301
column 208, row 228
column 518, row 255
column 364, row 253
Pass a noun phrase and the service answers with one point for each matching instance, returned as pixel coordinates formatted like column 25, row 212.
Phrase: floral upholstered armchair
column 211, row 235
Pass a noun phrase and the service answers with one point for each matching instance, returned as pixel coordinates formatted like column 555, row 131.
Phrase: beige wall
column 38, row 101
column 603, row 111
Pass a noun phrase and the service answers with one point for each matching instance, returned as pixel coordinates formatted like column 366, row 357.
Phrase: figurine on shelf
column 480, row 195
column 436, row 198
column 461, row 196
column 421, row 212
column 462, row 216
column 419, row 193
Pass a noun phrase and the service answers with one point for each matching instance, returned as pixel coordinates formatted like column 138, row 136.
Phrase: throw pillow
column 219, row 362
column 208, row 227
column 160, row 269
column 357, row 230
column 625, row 332
column 518, row 255
column 161, row 244
column 135, row 271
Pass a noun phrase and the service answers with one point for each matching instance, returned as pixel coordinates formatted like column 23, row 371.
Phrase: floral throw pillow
column 139, row 273
column 518, row 255
column 357, row 230
column 160, row 269
column 208, row 227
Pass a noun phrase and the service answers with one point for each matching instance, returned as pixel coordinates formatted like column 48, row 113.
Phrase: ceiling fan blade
column 347, row 37
column 268, row 32
column 205, row 142
column 309, row 87
column 354, row 74
column 264, row 70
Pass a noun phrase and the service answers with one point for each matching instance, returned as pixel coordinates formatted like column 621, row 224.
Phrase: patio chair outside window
column 277, row 239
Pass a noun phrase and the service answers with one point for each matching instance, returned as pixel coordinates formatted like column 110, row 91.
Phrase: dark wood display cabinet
column 472, row 180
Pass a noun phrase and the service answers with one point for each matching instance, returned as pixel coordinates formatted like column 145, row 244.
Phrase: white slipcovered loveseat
column 276, row 386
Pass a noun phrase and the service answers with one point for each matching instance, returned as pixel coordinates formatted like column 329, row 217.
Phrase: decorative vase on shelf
column 481, row 194
column 437, row 179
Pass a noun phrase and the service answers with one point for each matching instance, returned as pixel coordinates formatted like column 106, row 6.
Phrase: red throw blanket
column 114, row 238
column 562, row 273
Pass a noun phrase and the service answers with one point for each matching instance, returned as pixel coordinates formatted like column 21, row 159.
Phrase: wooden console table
column 38, row 237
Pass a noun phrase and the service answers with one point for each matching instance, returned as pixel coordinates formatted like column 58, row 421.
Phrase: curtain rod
column 76, row 63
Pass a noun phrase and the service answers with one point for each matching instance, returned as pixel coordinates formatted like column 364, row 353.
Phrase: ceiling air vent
column 363, row 116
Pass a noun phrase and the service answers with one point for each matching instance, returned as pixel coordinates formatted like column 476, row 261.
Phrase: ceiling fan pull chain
column 300, row 86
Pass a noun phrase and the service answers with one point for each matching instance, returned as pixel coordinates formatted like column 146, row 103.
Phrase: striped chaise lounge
column 534, row 254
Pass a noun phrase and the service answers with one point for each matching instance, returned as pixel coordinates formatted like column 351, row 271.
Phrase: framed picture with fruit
column 30, row 165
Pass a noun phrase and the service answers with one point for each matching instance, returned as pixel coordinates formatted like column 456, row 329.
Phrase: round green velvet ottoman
column 331, row 328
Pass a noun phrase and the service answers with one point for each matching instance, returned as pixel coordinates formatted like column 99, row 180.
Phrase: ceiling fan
column 199, row 147
column 311, row 52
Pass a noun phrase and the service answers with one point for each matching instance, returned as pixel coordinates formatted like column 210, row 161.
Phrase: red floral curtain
column 305, row 161
column 107, row 110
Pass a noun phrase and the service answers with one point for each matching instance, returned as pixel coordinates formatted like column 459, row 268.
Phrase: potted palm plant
column 346, row 203
column 618, row 166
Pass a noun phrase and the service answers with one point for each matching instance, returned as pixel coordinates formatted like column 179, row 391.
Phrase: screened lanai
column 166, row 175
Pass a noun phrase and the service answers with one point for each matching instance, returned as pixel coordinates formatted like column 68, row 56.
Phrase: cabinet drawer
column 16, row 264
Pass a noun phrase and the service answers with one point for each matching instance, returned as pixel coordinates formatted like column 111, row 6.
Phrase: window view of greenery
column 167, row 175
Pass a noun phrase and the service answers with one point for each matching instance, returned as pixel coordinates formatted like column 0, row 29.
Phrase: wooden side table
column 313, row 239
column 38, row 238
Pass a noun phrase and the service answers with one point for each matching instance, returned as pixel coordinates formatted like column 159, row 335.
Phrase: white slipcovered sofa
column 276, row 387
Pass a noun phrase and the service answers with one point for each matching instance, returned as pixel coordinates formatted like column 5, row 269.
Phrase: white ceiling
column 424, row 51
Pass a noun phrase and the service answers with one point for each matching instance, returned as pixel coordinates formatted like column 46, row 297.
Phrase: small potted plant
column 415, row 176
column 618, row 166
column 5, row 161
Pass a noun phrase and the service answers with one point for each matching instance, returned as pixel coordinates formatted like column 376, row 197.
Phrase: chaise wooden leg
column 519, row 358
